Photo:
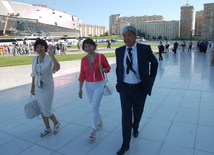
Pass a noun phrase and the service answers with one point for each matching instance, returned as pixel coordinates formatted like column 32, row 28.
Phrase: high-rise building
column 208, row 22
column 186, row 21
column 113, row 19
column 117, row 21
column 198, row 23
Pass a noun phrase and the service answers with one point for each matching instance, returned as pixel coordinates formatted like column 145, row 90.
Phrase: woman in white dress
column 43, row 67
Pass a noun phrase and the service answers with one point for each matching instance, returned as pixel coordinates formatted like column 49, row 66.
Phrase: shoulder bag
column 108, row 87
column 32, row 108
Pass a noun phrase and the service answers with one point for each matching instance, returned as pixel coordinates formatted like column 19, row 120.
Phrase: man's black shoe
column 121, row 151
column 135, row 133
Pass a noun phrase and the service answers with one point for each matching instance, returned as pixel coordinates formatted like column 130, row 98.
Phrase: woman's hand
column 51, row 50
column 80, row 94
column 32, row 91
column 101, row 68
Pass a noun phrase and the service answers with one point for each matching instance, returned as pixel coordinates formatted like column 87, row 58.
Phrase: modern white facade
column 41, row 13
column 58, row 23
column 156, row 29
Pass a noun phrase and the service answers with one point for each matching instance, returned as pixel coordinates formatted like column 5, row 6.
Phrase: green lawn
column 99, row 45
column 26, row 60
column 105, row 44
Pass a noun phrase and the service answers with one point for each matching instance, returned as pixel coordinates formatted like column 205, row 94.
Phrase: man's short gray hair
column 129, row 28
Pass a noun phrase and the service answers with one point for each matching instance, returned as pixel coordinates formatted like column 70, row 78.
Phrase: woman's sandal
column 45, row 132
column 56, row 128
column 92, row 135
column 99, row 125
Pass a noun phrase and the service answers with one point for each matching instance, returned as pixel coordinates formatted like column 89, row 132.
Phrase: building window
column 53, row 12
column 60, row 16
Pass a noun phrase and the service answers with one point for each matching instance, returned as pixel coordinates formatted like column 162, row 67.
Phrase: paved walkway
column 178, row 117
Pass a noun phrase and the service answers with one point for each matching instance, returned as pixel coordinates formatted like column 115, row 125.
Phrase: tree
column 159, row 37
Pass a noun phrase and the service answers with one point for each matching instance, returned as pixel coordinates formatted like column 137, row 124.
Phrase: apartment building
column 117, row 27
column 91, row 30
column 112, row 20
column 117, row 20
column 159, row 29
column 208, row 22
column 186, row 21
column 198, row 23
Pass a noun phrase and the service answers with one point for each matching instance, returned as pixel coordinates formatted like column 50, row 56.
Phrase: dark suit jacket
column 147, row 64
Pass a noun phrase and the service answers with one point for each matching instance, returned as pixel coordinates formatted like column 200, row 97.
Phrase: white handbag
column 108, row 87
column 32, row 108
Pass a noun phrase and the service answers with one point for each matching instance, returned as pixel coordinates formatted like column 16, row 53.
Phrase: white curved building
column 39, row 17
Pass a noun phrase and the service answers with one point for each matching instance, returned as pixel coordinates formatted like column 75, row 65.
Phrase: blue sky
column 97, row 12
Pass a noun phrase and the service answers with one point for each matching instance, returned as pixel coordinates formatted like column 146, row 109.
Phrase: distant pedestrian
column 201, row 46
column 175, row 47
column 183, row 46
column 212, row 54
column 78, row 44
column 198, row 46
column 108, row 44
column 167, row 46
column 206, row 44
column 161, row 49
column 190, row 46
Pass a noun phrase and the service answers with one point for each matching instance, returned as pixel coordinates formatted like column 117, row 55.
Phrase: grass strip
column 27, row 60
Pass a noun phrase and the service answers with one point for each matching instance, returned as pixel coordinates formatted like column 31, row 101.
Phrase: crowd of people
column 201, row 46
column 28, row 49
column 14, row 50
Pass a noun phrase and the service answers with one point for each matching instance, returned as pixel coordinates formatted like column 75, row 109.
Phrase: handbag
column 108, row 87
column 32, row 108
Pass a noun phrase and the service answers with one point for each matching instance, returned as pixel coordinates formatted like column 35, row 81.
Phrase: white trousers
column 94, row 92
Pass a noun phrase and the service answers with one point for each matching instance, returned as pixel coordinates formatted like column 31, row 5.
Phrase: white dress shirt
column 131, row 77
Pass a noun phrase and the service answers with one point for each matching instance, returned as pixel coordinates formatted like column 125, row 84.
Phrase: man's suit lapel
column 122, row 52
column 139, row 54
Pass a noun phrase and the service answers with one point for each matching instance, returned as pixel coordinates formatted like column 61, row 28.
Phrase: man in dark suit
column 136, row 69
column 175, row 47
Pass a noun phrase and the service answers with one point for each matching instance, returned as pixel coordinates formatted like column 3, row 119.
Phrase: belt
column 131, row 84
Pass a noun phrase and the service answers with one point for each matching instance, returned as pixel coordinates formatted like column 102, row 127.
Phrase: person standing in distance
column 160, row 49
column 175, row 47
column 136, row 69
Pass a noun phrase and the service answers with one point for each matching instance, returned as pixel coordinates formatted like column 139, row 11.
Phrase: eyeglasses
column 127, row 36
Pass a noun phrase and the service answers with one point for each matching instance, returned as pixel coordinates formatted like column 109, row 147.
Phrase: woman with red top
column 92, row 66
